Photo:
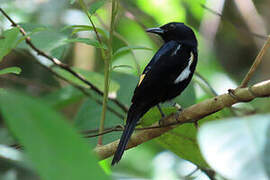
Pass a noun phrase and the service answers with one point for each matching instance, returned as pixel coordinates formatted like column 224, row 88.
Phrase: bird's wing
column 164, row 68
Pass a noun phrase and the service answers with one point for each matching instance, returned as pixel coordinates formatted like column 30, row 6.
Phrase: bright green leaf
column 96, row 5
column 238, row 148
column 8, row 41
column 15, row 70
column 128, row 48
column 53, row 146
column 87, row 41
column 95, row 78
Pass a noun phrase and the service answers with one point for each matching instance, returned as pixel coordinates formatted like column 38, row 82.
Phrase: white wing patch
column 175, row 52
column 185, row 73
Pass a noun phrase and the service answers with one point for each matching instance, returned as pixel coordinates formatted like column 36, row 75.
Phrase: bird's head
column 175, row 31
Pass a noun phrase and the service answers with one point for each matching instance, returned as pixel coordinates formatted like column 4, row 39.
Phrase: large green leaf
column 15, row 70
column 238, row 148
column 95, row 78
column 8, row 41
column 56, row 150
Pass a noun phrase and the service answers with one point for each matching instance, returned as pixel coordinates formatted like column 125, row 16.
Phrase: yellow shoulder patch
column 141, row 79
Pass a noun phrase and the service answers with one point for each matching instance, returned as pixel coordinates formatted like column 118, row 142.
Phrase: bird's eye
column 171, row 27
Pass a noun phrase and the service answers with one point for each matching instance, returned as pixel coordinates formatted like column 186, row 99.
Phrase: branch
column 58, row 63
column 190, row 115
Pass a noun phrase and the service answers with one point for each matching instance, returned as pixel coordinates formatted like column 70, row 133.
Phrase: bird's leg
column 161, row 121
column 160, row 110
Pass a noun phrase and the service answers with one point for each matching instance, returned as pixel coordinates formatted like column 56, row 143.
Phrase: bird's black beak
column 155, row 30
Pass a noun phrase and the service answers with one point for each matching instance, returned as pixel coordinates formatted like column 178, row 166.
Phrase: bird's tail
column 132, row 119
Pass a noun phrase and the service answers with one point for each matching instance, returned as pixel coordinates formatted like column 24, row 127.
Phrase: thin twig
column 256, row 63
column 60, row 64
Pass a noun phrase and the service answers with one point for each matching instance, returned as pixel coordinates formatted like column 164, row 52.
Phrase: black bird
column 165, row 77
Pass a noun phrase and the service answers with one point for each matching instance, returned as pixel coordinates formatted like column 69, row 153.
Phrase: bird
column 165, row 77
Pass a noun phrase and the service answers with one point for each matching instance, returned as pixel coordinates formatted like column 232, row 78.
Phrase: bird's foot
column 161, row 112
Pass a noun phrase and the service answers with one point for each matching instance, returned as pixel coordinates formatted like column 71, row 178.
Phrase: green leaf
column 238, row 148
column 128, row 48
column 15, row 70
column 8, row 41
column 53, row 146
column 95, row 78
column 87, row 41
column 96, row 5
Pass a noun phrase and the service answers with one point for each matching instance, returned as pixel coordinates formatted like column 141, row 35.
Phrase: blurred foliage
column 62, row 29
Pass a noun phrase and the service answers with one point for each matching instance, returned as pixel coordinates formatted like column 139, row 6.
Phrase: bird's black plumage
column 165, row 77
